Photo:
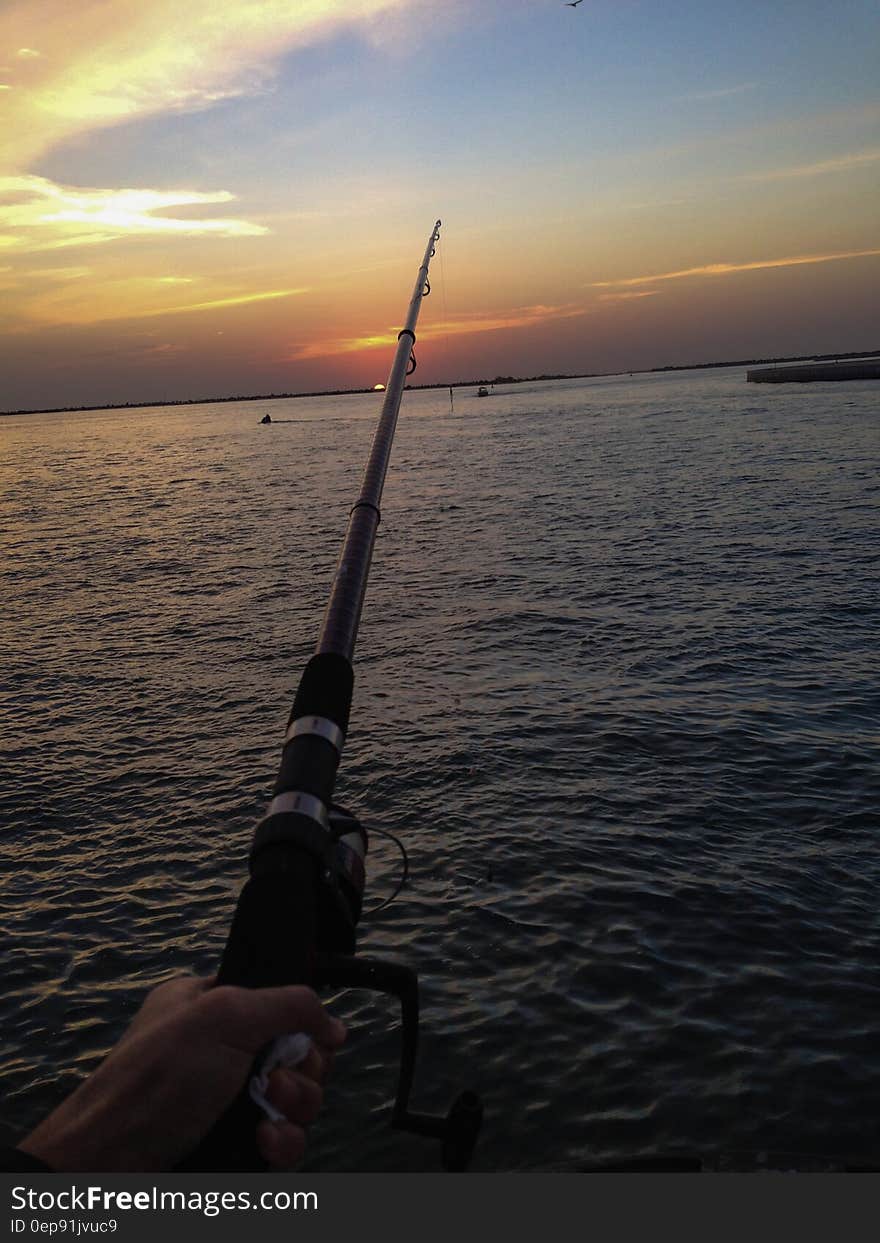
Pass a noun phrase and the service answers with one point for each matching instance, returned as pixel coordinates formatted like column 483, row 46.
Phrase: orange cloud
column 626, row 297
column 237, row 300
column 521, row 317
column 133, row 298
column 726, row 269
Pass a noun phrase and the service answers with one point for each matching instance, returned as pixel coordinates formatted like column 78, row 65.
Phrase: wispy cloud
column 37, row 214
column 727, row 269
column 214, row 304
column 721, row 92
column 164, row 350
column 628, row 296
column 57, row 274
column 840, row 164
column 651, row 204
column 97, row 64
column 135, row 298
column 519, row 317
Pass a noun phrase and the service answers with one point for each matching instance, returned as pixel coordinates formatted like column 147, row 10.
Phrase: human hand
column 182, row 1062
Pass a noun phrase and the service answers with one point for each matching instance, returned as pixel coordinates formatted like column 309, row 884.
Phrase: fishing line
column 445, row 320
column 342, row 821
column 371, row 829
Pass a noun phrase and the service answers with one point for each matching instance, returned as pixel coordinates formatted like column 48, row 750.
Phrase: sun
column 378, row 388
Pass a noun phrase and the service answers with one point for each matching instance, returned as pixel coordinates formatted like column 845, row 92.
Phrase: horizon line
column 345, row 392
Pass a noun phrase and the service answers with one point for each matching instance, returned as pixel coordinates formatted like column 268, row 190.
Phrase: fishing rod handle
column 271, row 943
column 305, row 886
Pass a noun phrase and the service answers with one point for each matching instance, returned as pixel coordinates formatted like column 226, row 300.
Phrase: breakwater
column 802, row 373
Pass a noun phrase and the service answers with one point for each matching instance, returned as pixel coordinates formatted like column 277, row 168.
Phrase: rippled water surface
column 616, row 688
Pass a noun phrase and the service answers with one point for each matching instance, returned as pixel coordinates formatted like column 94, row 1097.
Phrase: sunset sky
column 209, row 197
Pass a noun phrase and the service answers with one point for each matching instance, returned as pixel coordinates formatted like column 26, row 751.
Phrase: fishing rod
column 297, row 915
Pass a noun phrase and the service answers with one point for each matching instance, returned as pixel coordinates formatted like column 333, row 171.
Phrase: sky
column 224, row 197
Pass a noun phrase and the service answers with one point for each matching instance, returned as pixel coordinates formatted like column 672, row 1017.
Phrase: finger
column 314, row 1064
column 281, row 1144
column 250, row 1018
column 296, row 1096
column 317, row 1063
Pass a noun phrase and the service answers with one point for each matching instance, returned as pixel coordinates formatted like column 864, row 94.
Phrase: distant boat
column 482, row 392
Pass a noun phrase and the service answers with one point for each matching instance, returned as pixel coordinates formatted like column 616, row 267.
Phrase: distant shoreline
column 506, row 379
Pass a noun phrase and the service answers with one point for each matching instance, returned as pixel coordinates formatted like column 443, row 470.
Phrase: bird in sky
column 572, row 4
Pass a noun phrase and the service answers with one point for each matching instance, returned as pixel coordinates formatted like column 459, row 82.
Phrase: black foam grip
column 325, row 689
column 272, row 942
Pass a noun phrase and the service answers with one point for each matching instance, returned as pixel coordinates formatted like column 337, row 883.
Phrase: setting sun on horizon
column 207, row 201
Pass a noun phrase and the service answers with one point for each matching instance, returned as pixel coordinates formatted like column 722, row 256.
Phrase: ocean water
column 616, row 688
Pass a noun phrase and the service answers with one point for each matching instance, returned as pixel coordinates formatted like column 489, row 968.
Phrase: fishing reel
column 458, row 1130
column 295, row 922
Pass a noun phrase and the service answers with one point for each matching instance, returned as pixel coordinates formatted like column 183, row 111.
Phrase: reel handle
column 459, row 1130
